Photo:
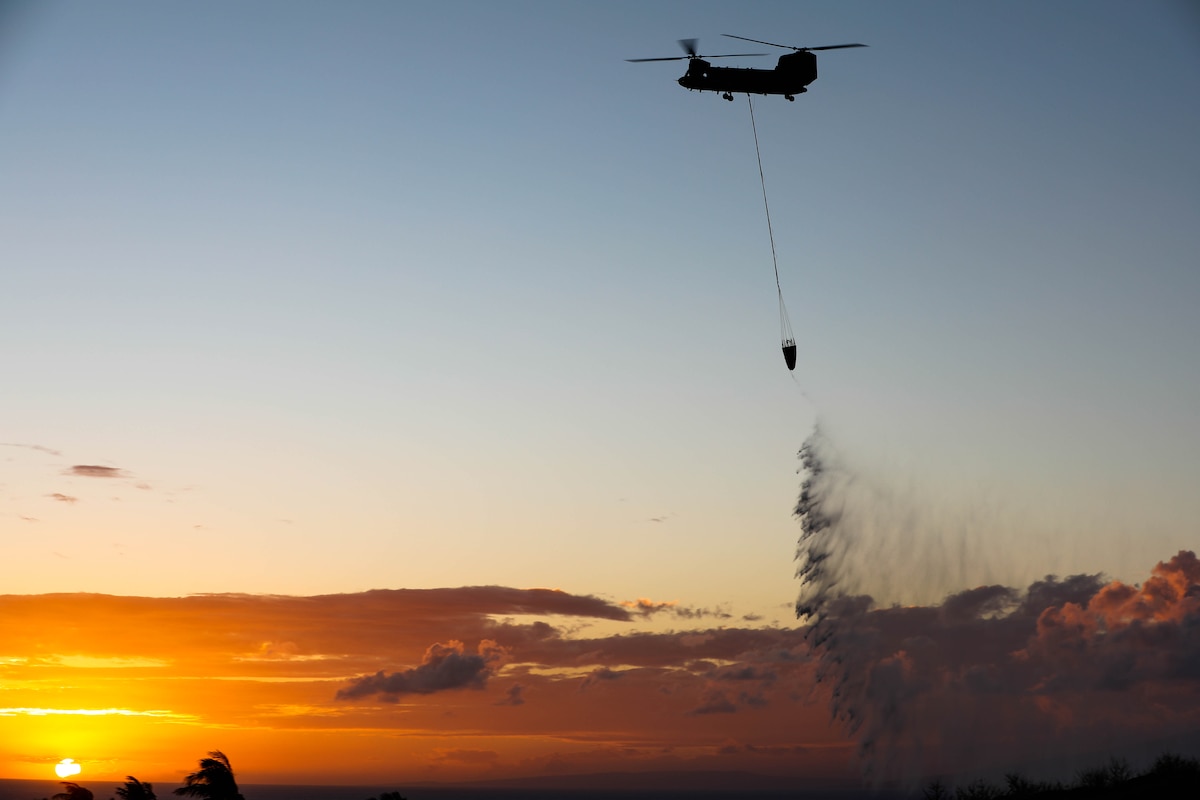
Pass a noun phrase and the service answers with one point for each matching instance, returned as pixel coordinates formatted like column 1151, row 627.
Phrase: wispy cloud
column 109, row 662
column 37, row 447
column 465, row 756
column 646, row 607
column 62, row 498
column 91, row 712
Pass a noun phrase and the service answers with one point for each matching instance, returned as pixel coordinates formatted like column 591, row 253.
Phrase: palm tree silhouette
column 213, row 781
column 133, row 789
column 73, row 791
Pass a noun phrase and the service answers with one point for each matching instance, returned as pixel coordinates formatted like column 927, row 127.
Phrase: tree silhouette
column 133, row 789
column 73, row 791
column 213, row 781
column 1171, row 776
column 937, row 790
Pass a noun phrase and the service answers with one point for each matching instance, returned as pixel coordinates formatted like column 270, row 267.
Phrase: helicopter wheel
column 728, row 96
column 789, row 98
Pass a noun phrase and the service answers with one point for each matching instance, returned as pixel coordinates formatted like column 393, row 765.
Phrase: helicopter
column 791, row 76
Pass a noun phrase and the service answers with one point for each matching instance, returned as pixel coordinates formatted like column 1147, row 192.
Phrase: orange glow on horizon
column 482, row 683
column 471, row 683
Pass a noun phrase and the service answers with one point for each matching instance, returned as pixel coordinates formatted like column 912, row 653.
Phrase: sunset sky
column 392, row 389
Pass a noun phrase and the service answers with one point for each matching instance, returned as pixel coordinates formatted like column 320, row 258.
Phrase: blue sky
column 434, row 294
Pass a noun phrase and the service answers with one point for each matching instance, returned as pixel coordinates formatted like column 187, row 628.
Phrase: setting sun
column 66, row 768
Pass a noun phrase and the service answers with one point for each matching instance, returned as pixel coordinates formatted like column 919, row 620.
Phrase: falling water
column 1047, row 678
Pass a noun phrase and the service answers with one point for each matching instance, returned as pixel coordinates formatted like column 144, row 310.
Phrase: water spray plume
column 987, row 677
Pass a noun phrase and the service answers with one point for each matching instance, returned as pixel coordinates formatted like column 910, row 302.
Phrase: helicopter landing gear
column 728, row 96
column 789, row 98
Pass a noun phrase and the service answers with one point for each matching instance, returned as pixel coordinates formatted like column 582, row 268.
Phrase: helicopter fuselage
column 791, row 76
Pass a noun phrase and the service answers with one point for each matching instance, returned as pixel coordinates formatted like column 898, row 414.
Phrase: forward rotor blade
column 689, row 46
column 759, row 41
column 685, row 58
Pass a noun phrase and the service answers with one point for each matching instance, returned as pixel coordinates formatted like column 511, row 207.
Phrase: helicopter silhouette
column 791, row 76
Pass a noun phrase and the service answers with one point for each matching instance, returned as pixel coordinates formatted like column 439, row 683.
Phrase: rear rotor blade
column 790, row 47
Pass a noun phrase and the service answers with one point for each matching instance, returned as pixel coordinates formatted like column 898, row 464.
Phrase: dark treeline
column 212, row 781
column 1171, row 776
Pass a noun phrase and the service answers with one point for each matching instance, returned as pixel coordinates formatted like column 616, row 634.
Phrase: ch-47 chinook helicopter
column 791, row 76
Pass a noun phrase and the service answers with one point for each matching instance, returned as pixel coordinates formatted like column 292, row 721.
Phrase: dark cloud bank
column 443, row 667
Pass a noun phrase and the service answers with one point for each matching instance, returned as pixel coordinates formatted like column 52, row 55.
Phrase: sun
column 66, row 768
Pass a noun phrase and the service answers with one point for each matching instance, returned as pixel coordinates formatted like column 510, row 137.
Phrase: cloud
column 733, row 747
column 37, row 447
column 748, row 672
column 443, row 667
column 728, row 645
column 512, row 697
column 93, row 471
column 463, row 756
column 90, row 712
column 597, row 675
column 391, row 624
column 646, row 607
column 63, row 498
column 715, row 701
column 1123, row 636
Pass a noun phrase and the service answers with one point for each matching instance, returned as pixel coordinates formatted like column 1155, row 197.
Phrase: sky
column 445, row 319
